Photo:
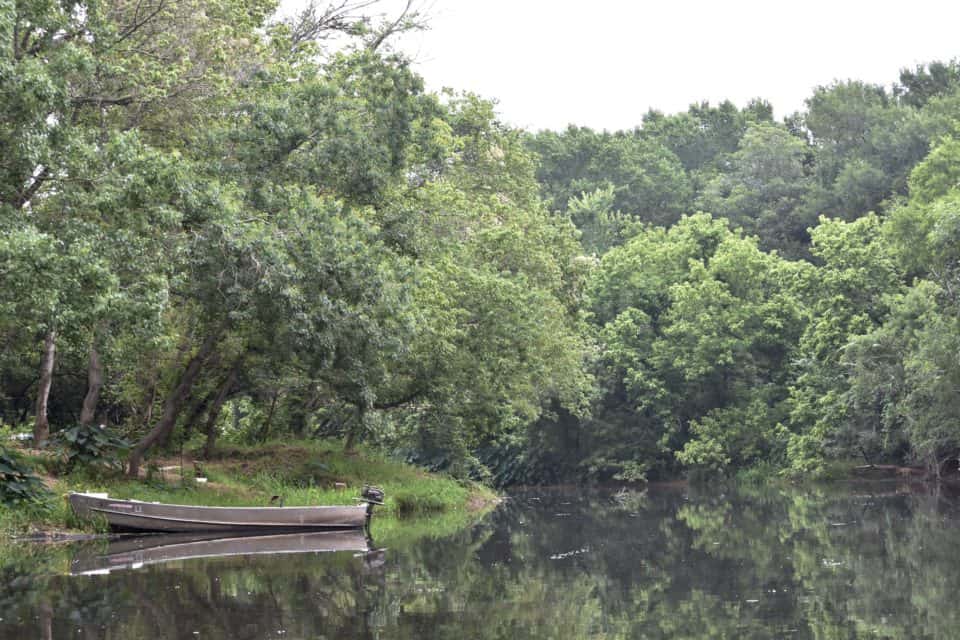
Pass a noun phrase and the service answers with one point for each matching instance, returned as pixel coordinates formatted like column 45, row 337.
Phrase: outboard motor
column 371, row 495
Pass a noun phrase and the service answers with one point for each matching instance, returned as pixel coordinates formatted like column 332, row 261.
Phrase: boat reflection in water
column 136, row 552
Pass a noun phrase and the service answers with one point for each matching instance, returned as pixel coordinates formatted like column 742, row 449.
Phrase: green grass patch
column 301, row 473
column 52, row 515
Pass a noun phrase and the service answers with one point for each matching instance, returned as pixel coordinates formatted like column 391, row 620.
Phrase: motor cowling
column 372, row 494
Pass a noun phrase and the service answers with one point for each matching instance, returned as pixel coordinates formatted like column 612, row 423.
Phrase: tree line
column 770, row 294
column 214, row 223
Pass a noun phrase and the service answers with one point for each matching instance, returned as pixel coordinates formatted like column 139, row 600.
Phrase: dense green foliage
column 214, row 225
column 806, row 312
column 19, row 484
column 87, row 445
column 229, row 216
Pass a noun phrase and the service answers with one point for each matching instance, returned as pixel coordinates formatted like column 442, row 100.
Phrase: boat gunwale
column 232, row 525
column 289, row 509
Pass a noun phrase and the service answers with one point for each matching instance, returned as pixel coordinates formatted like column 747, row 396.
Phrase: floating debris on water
column 575, row 552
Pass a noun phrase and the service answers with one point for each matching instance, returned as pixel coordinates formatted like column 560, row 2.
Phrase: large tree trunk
column 214, row 413
column 265, row 429
column 355, row 429
column 148, row 410
column 303, row 413
column 94, row 384
column 173, row 404
column 196, row 412
column 41, row 427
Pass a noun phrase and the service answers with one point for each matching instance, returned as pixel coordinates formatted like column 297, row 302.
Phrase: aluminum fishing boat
column 134, row 515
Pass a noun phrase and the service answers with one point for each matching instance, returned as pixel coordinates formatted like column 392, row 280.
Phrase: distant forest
column 216, row 226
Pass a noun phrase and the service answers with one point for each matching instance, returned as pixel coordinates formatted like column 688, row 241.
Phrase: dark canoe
column 133, row 553
column 134, row 515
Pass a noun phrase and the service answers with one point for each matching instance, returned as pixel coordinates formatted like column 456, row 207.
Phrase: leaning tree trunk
column 197, row 411
column 302, row 413
column 41, row 426
column 265, row 429
column 214, row 413
column 173, row 404
column 94, row 383
column 355, row 429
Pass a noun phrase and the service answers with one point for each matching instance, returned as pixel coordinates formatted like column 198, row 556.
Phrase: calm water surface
column 869, row 561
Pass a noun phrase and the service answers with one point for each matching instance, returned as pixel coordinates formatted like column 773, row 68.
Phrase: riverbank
column 299, row 473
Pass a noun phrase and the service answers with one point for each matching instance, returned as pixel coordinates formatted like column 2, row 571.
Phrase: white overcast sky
column 604, row 63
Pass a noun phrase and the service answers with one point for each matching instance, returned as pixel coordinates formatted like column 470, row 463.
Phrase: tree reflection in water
column 671, row 563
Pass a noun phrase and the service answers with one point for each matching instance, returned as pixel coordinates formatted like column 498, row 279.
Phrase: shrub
column 18, row 484
column 91, row 445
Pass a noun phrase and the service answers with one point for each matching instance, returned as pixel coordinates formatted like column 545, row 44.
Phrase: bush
column 91, row 445
column 18, row 484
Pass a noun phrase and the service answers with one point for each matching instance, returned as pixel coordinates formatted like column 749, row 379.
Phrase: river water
column 864, row 561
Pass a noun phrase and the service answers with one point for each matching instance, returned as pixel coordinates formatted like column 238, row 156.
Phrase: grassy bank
column 302, row 473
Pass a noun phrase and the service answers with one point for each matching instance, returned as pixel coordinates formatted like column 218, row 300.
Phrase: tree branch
column 136, row 25
column 104, row 102
column 337, row 17
column 402, row 23
column 24, row 196
column 399, row 402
